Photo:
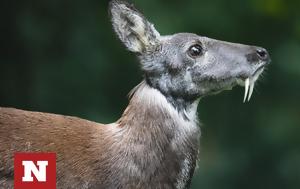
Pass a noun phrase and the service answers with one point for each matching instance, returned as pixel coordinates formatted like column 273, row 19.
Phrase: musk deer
column 155, row 142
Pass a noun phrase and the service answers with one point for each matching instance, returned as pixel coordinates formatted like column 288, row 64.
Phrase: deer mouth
column 249, row 82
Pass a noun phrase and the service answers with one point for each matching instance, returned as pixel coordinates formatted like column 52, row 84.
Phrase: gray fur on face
column 183, row 79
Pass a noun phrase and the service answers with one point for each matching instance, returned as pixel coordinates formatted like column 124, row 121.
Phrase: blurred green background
column 62, row 56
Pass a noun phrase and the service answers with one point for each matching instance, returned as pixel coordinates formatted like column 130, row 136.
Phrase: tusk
column 246, row 88
column 252, row 83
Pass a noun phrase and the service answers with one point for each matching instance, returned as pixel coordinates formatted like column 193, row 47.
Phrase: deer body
column 155, row 142
column 134, row 152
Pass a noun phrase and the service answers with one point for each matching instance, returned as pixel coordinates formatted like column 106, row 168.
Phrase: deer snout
column 263, row 54
column 259, row 55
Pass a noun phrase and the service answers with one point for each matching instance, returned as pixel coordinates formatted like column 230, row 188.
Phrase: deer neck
column 149, row 113
column 158, row 141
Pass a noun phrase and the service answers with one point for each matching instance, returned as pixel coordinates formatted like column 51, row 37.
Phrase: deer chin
column 249, row 82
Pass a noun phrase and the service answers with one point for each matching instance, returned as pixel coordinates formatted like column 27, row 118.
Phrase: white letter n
column 29, row 167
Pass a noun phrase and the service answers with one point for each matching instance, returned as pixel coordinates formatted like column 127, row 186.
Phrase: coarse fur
column 155, row 144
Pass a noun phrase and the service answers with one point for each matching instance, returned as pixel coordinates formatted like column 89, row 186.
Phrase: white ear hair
column 132, row 28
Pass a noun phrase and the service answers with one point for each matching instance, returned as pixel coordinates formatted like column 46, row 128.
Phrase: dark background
column 62, row 56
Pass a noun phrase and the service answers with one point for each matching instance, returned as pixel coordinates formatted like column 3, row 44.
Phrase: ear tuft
column 138, row 34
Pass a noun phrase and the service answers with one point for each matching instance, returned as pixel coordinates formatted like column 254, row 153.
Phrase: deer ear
column 132, row 28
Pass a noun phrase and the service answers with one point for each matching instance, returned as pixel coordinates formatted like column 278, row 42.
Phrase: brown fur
column 71, row 138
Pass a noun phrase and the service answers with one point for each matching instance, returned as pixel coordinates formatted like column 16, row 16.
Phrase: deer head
column 186, row 66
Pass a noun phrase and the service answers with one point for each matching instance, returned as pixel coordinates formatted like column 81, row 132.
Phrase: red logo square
column 35, row 171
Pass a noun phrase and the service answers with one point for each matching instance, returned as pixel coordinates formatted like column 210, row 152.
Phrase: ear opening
column 132, row 28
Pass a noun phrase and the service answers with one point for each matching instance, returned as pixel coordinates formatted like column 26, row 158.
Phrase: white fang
column 246, row 88
column 252, row 83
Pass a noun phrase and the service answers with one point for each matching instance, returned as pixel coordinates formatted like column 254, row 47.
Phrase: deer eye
column 195, row 51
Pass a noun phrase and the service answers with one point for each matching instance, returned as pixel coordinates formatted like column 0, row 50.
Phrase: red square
column 35, row 171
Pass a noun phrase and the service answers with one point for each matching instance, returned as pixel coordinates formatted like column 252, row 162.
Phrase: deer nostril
column 262, row 54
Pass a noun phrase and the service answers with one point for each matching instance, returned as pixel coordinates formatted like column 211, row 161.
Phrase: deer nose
column 263, row 54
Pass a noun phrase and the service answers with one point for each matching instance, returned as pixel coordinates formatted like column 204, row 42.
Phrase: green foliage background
column 62, row 56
